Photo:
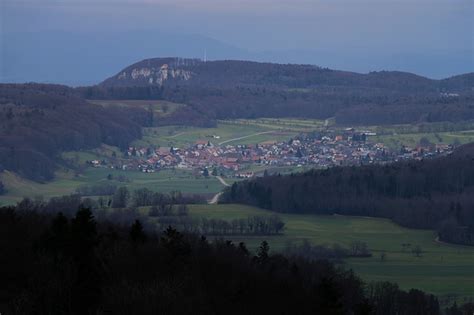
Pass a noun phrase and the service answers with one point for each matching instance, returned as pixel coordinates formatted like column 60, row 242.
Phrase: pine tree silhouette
column 137, row 235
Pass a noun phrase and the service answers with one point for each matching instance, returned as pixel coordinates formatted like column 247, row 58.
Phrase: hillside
column 231, row 73
column 458, row 83
column 244, row 89
column 39, row 121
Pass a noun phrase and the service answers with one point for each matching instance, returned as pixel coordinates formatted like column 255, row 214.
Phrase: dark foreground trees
column 60, row 265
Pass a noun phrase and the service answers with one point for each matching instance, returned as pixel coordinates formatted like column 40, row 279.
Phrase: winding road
column 245, row 137
column 215, row 199
column 223, row 182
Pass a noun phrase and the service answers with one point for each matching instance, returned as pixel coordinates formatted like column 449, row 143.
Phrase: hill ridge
column 165, row 70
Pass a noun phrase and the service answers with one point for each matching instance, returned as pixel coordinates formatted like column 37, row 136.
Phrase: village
column 317, row 150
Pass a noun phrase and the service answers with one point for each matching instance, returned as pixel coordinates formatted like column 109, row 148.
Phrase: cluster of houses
column 321, row 150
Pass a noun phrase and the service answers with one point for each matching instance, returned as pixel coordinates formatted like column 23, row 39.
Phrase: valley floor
column 66, row 183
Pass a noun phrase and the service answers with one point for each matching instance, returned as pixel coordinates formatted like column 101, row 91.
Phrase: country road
column 215, row 199
column 178, row 134
column 222, row 181
column 245, row 137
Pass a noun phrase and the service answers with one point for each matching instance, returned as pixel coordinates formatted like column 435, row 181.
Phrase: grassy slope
column 182, row 136
column 284, row 129
column 412, row 139
column 284, row 124
column 66, row 183
column 278, row 130
column 442, row 269
column 159, row 107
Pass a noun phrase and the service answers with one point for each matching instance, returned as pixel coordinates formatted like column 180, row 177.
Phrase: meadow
column 289, row 124
column 395, row 141
column 66, row 182
column 224, row 133
column 443, row 269
column 159, row 107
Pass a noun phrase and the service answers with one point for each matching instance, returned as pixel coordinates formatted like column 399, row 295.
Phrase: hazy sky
column 406, row 25
column 378, row 28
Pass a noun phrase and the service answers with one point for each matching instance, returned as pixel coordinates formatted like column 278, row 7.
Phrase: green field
column 239, row 131
column 183, row 136
column 66, row 183
column 288, row 124
column 395, row 141
column 160, row 108
column 442, row 269
column 244, row 131
column 253, row 131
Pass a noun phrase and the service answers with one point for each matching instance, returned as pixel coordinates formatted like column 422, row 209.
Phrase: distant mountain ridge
column 227, row 73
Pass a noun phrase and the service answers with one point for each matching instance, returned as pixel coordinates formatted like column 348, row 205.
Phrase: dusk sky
column 395, row 34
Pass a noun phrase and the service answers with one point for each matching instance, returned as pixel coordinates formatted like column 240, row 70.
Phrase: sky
column 434, row 38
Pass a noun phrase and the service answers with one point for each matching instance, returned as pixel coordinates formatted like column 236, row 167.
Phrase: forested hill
column 429, row 194
column 244, row 89
column 231, row 73
column 40, row 120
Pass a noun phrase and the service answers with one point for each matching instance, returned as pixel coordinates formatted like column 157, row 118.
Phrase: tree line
column 408, row 110
column 429, row 194
column 97, row 190
column 144, row 197
column 334, row 252
column 252, row 225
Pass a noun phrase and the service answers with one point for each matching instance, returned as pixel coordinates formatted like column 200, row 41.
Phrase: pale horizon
column 428, row 38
